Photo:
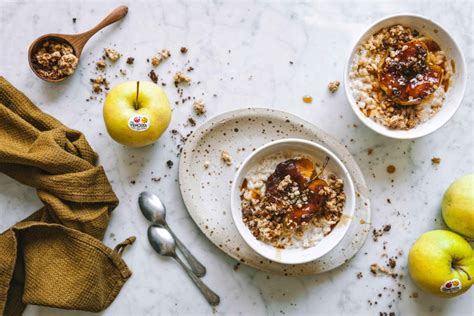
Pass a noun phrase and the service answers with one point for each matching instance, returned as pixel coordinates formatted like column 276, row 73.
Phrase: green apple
column 442, row 263
column 136, row 113
column 458, row 206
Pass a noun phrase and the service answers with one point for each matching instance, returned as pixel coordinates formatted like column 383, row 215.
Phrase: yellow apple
column 458, row 206
column 136, row 113
column 442, row 263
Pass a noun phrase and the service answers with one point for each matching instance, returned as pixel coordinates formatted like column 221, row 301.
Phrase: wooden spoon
column 77, row 41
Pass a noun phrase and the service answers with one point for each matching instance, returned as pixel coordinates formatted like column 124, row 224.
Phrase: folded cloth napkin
column 55, row 256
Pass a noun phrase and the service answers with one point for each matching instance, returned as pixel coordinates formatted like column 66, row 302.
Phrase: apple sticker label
column 139, row 123
column 451, row 286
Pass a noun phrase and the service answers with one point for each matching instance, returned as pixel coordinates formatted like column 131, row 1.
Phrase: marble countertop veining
column 241, row 53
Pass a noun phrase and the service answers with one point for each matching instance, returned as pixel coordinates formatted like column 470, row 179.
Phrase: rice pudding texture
column 269, row 223
column 372, row 100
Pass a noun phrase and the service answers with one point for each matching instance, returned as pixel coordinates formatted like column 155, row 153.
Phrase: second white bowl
column 454, row 95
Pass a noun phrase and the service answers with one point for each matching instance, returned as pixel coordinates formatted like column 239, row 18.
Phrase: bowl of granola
column 405, row 77
column 292, row 200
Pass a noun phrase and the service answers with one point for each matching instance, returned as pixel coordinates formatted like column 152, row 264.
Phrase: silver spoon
column 155, row 211
column 164, row 243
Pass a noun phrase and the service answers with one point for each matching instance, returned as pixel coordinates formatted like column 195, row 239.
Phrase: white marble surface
column 241, row 51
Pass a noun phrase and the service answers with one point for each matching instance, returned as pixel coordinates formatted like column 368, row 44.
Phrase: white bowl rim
column 237, row 212
column 377, row 127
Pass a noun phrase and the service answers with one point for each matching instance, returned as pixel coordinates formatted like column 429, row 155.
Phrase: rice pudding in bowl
column 405, row 77
column 292, row 201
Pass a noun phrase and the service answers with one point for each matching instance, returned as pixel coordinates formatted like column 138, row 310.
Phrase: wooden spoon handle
column 80, row 40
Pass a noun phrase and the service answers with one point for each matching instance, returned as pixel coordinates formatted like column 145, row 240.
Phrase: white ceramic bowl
column 454, row 95
column 296, row 255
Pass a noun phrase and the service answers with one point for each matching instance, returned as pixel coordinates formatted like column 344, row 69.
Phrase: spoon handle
column 80, row 40
column 210, row 296
column 197, row 267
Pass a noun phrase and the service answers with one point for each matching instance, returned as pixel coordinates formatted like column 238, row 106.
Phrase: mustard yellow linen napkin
column 55, row 256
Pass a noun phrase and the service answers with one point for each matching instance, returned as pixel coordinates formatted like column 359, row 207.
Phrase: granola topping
column 291, row 203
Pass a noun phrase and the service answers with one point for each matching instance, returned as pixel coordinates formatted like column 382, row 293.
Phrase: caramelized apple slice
column 300, row 171
column 408, row 77
column 305, row 167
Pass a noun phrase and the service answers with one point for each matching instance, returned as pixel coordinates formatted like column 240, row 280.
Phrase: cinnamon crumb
column 153, row 76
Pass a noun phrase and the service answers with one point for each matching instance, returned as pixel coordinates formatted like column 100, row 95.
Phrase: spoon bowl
column 162, row 241
column 152, row 208
column 76, row 41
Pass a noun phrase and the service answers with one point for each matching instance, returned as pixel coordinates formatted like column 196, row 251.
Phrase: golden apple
column 136, row 113
column 442, row 263
column 458, row 206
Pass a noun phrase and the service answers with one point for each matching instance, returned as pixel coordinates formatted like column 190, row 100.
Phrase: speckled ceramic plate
column 206, row 191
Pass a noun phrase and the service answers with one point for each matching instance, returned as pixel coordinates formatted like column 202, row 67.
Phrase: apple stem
column 136, row 99
column 462, row 269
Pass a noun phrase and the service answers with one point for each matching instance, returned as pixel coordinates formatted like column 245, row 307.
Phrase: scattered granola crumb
column 183, row 50
column 360, row 275
column 179, row 77
column 226, row 158
column 98, row 83
column 333, row 86
column 414, row 295
column 199, row 107
column 153, row 76
column 207, row 163
column 156, row 179
column 435, row 160
column 133, row 182
column 370, row 151
column 169, row 163
column 112, row 54
column 74, row 20
column 161, row 56
column 392, row 263
column 130, row 60
column 100, row 64
column 123, row 72
column 376, row 233
column 376, row 268
column 391, row 169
